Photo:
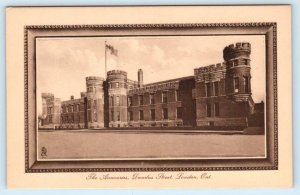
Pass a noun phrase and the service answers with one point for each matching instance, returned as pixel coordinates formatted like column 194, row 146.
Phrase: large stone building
column 216, row 95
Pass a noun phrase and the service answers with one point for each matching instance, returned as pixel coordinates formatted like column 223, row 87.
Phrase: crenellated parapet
column 92, row 80
column 210, row 68
column 47, row 95
column 237, row 50
column 151, row 88
column 131, row 84
column 238, row 74
column 210, row 73
column 94, row 84
column 116, row 74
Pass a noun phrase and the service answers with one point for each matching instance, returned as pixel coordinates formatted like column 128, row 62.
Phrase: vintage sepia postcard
column 149, row 97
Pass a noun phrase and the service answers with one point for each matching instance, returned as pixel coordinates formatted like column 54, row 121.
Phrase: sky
column 63, row 63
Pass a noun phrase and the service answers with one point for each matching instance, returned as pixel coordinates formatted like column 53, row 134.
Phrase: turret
column 95, row 101
column 237, row 59
column 51, row 110
column 117, row 92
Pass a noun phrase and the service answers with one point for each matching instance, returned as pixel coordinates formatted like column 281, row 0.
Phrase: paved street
column 93, row 144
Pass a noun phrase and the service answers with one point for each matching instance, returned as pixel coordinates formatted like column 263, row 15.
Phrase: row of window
column 164, row 98
column 69, row 119
column 118, row 85
column 165, row 114
column 91, row 89
column 239, row 61
column 71, row 108
column 76, row 107
column 236, row 86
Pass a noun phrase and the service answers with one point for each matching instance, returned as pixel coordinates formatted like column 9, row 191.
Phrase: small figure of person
column 43, row 152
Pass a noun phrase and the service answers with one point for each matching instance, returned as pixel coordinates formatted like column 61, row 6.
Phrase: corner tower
column 95, row 102
column 237, row 59
column 51, row 110
column 117, row 92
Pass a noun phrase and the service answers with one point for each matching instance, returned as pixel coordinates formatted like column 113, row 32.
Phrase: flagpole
column 105, row 61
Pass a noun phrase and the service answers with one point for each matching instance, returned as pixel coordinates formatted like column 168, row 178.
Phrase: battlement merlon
column 242, row 49
column 94, row 78
column 210, row 68
column 117, row 72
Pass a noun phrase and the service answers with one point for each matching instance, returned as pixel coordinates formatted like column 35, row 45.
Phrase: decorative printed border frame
column 270, row 163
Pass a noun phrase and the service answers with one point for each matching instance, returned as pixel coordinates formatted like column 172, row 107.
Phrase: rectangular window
column 141, row 99
column 117, row 85
column 152, row 113
column 216, row 88
column 78, row 107
column 246, row 83
column 217, row 109
column 95, row 104
column 178, row 95
column 236, row 84
column 141, row 115
column 164, row 97
column 130, row 115
column 95, row 116
column 236, row 62
column 208, row 110
column 179, row 112
column 129, row 101
column 50, row 118
column 112, row 100
column 207, row 89
column 118, row 116
column 152, row 101
column 165, row 113
column 117, row 101
column 89, row 104
column 245, row 61
column 112, row 116
column 89, row 116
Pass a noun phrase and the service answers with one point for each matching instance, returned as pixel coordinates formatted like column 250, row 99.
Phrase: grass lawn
column 91, row 144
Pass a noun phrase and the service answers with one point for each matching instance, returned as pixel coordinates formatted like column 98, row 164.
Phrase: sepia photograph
column 117, row 98
column 168, row 97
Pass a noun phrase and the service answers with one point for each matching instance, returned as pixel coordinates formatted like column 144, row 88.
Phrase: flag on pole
column 112, row 50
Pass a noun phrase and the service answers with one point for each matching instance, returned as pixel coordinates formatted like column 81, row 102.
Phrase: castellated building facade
column 216, row 95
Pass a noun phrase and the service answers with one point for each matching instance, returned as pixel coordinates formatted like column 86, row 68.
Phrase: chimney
column 140, row 78
column 72, row 97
